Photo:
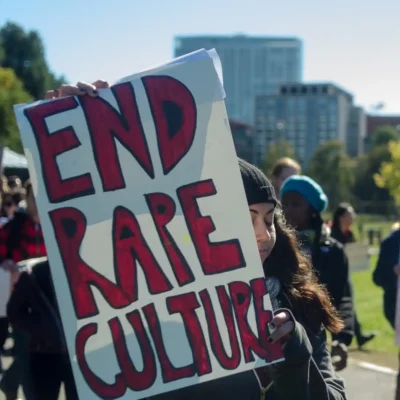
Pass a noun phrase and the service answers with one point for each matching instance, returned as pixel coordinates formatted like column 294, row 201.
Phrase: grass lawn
column 369, row 307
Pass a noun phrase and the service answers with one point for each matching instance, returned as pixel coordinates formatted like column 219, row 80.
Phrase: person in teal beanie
column 303, row 202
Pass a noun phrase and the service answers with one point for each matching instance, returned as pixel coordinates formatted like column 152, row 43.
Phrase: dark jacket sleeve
column 342, row 295
column 20, row 305
column 307, row 372
column 388, row 257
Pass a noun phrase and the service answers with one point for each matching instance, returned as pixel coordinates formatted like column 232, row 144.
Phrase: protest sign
column 148, row 233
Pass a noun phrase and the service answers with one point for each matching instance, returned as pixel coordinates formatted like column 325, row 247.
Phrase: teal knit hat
column 309, row 189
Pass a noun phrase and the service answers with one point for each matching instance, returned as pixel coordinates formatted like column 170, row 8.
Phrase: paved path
column 364, row 384
column 361, row 384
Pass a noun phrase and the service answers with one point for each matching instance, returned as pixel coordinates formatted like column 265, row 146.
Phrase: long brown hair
column 309, row 300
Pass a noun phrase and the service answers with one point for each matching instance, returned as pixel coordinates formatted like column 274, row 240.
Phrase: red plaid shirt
column 29, row 243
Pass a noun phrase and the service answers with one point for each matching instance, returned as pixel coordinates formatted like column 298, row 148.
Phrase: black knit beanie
column 256, row 185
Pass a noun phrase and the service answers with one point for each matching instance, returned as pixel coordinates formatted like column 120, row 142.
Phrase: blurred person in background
column 8, row 208
column 303, row 201
column 14, row 182
column 20, row 239
column 4, row 185
column 283, row 169
column 33, row 308
column 342, row 220
column 386, row 274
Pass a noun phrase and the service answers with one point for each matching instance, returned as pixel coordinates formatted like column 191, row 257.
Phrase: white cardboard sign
column 147, row 229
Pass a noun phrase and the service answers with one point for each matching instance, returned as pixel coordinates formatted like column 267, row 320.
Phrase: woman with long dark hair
column 302, row 312
column 303, row 201
column 342, row 219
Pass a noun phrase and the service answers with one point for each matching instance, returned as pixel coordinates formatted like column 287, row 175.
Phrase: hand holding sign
column 396, row 269
column 80, row 89
column 281, row 327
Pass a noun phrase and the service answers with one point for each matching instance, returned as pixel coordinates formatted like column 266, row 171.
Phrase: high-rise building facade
column 357, row 132
column 242, row 134
column 251, row 66
column 306, row 115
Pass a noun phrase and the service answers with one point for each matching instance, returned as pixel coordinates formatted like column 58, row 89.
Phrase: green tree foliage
column 274, row 153
column 382, row 136
column 11, row 92
column 389, row 173
column 365, row 188
column 24, row 53
column 333, row 169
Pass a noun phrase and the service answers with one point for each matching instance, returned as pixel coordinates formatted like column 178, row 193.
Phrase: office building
column 251, row 66
column 306, row 115
column 357, row 131
column 242, row 134
column 374, row 121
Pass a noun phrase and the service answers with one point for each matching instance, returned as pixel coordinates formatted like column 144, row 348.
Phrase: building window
column 291, row 133
column 323, row 126
column 291, row 106
column 332, row 123
column 302, row 105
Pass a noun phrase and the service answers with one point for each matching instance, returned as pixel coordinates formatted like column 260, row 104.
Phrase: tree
column 389, row 172
column 365, row 188
column 24, row 53
column 333, row 169
column 11, row 92
column 274, row 153
column 382, row 136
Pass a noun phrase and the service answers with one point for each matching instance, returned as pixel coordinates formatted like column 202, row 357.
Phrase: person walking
column 342, row 220
column 20, row 239
column 386, row 275
column 33, row 308
column 303, row 201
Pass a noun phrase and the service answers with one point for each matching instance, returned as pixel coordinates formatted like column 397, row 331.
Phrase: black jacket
column 332, row 266
column 384, row 275
column 306, row 374
column 33, row 308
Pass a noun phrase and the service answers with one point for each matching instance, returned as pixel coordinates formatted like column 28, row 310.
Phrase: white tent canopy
column 11, row 159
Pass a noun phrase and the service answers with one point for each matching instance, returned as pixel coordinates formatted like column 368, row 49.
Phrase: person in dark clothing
column 303, row 201
column 343, row 218
column 33, row 308
column 307, row 372
column 20, row 239
column 386, row 275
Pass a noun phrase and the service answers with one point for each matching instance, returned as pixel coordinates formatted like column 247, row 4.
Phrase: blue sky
column 355, row 43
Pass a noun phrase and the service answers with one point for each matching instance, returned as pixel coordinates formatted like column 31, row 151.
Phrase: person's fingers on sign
column 396, row 269
column 281, row 327
column 80, row 89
